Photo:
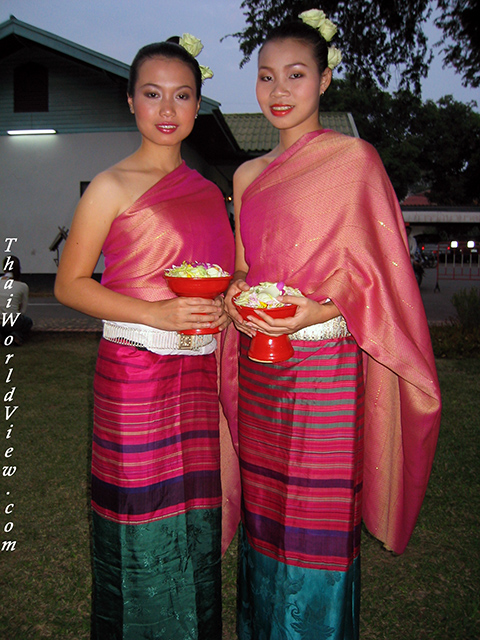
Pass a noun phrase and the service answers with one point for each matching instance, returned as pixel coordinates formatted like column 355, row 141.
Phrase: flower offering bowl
column 265, row 348
column 208, row 288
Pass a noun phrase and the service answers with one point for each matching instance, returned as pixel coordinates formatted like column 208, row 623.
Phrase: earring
column 131, row 110
column 196, row 116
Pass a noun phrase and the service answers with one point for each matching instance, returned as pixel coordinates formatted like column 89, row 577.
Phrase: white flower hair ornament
column 334, row 57
column 206, row 72
column 193, row 45
column 317, row 19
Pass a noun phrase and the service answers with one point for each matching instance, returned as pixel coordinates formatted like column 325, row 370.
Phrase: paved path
column 437, row 299
column 49, row 315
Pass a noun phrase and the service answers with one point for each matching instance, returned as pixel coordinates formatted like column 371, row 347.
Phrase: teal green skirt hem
column 160, row 580
column 277, row 601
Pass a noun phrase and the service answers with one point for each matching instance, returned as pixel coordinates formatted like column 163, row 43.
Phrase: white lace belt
column 165, row 343
column 334, row 328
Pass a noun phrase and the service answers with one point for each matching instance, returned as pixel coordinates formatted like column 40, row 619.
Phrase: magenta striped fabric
column 155, row 440
column 301, row 454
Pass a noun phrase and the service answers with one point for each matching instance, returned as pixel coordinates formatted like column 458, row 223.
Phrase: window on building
column 30, row 88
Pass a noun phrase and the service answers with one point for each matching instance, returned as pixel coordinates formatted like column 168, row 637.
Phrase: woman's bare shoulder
column 107, row 181
column 120, row 184
column 250, row 170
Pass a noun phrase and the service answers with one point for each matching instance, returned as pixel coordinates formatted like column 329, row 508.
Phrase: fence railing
column 458, row 261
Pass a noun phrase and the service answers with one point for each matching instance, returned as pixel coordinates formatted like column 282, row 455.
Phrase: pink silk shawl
column 323, row 217
column 182, row 217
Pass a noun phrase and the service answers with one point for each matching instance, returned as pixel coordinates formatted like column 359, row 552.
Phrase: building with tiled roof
column 255, row 135
column 78, row 98
column 417, row 200
column 418, row 210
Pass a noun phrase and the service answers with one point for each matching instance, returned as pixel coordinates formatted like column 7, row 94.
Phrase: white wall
column 40, row 187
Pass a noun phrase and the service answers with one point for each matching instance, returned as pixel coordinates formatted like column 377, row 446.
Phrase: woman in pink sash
column 156, row 494
column 347, row 427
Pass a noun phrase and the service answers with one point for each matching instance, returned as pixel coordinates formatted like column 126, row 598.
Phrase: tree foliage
column 449, row 136
column 460, row 23
column 434, row 146
column 374, row 36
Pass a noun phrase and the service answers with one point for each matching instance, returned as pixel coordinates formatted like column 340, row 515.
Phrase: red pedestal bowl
column 208, row 288
column 265, row 348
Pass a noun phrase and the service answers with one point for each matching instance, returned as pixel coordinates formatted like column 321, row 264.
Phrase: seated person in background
column 412, row 244
column 13, row 301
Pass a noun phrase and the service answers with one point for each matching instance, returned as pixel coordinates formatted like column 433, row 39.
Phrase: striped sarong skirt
column 156, row 496
column 301, row 456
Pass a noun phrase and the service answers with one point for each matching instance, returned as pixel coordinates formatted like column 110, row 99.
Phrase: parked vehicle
column 428, row 245
column 429, row 252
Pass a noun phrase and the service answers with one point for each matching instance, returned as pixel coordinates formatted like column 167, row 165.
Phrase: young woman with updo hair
column 156, row 494
column 346, row 428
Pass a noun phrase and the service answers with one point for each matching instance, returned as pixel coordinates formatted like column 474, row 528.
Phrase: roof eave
column 78, row 52
column 61, row 45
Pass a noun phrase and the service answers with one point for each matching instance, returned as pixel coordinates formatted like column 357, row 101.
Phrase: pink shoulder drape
column 323, row 217
column 182, row 217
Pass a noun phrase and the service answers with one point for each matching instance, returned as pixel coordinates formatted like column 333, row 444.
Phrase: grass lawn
column 430, row 592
